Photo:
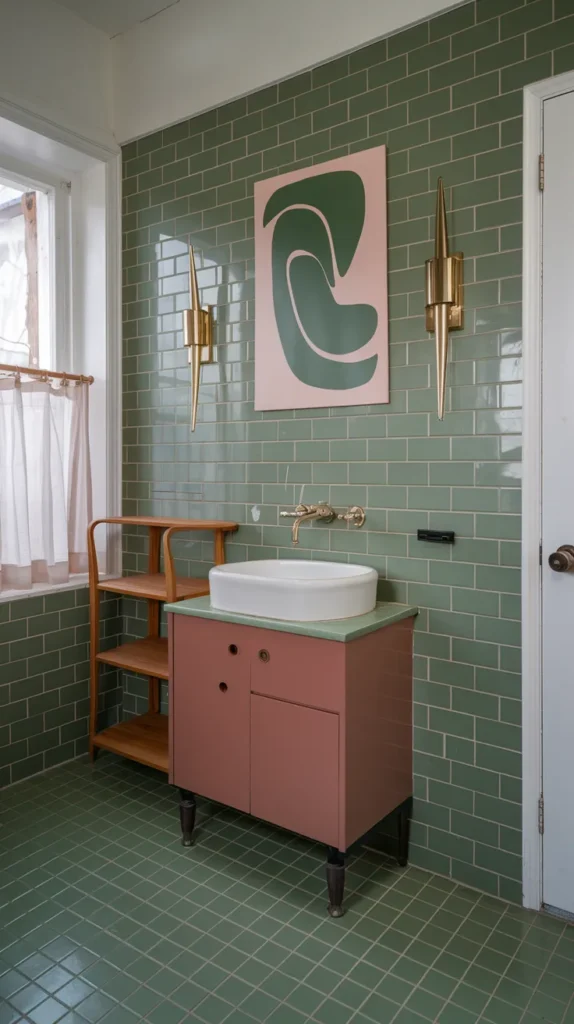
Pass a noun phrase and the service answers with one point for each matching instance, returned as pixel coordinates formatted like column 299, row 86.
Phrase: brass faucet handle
column 325, row 511
column 355, row 515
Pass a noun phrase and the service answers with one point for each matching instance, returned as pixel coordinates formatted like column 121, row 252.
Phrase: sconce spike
column 441, row 233
column 197, row 336
column 441, row 342
column 193, row 287
column 195, row 361
column 443, row 295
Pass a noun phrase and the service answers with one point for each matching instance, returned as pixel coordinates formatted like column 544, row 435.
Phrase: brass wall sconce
column 197, row 336
column 443, row 295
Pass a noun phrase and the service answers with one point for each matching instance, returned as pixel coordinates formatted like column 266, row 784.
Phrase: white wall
column 197, row 54
column 55, row 66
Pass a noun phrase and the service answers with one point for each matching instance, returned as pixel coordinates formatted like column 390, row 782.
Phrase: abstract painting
column 321, row 316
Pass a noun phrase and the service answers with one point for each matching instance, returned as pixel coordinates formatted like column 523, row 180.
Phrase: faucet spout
column 305, row 517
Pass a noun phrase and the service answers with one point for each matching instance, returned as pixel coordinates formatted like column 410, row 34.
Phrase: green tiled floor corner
column 104, row 917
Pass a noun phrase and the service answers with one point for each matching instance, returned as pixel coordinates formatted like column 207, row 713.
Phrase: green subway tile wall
column 445, row 96
column 44, row 680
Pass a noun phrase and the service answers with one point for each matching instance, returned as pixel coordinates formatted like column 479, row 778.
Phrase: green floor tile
column 428, row 1005
column 306, row 999
column 34, row 965
column 569, row 1015
column 394, row 988
column 78, row 960
column 278, row 985
column 8, row 1015
column 451, row 1014
column 55, row 979
column 188, row 995
column 259, row 1005
column 120, row 986
column 166, row 1013
column 74, row 992
column 501, row 1013
column 12, row 982
column 27, row 998
column 406, row 1016
column 559, row 988
column 413, row 947
column 121, row 1015
column 546, row 1007
column 95, row 1007
column 379, row 1009
column 142, row 1000
column 47, row 1012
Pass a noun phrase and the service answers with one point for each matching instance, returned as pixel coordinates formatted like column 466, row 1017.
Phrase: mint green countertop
column 385, row 613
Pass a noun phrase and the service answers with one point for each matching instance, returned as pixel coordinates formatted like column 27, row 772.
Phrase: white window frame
column 68, row 311
column 59, row 223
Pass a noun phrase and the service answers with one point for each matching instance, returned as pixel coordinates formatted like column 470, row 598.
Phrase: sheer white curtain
column 45, row 482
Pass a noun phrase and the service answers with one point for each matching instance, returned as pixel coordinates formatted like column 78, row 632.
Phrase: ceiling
column 115, row 16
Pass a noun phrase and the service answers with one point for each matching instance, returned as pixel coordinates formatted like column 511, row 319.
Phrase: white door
column 558, row 502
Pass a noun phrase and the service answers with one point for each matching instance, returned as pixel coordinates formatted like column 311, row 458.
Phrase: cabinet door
column 210, row 711
column 295, row 768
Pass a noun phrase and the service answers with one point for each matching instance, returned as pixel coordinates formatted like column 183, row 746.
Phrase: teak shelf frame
column 143, row 738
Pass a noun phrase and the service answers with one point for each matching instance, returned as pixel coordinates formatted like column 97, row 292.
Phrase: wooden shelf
column 153, row 586
column 147, row 657
column 143, row 739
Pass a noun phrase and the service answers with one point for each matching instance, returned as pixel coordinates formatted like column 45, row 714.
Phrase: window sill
column 78, row 582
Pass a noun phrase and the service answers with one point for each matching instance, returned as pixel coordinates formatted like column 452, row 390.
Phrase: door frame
column 534, row 97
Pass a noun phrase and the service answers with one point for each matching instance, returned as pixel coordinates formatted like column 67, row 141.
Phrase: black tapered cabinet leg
column 187, row 808
column 335, row 881
column 404, row 828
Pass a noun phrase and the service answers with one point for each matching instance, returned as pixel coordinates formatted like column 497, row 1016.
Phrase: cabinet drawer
column 295, row 768
column 300, row 669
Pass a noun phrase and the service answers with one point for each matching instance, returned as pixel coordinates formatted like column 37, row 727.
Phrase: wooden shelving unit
column 143, row 738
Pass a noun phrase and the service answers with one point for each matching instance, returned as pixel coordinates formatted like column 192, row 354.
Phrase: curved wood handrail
column 170, row 577
column 219, row 528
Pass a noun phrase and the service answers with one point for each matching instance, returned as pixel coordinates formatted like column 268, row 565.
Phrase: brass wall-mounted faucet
column 324, row 512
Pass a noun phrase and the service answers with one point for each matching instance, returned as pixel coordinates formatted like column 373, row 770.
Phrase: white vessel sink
column 294, row 589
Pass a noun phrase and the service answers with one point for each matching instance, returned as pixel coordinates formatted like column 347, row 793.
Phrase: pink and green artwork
column 321, row 336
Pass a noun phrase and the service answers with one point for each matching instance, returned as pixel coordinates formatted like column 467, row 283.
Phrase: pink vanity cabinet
column 309, row 732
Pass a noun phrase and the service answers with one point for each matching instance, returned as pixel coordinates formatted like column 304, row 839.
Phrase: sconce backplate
column 435, row 286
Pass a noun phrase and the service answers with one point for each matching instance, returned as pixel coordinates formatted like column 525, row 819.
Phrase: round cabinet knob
column 223, row 687
column 562, row 560
column 232, row 648
column 264, row 656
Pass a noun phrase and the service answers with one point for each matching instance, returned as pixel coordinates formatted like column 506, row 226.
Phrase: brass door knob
column 562, row 560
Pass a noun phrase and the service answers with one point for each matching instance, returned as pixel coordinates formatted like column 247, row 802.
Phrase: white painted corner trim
column 98, row 143
column 534, row 97
column 114, row 353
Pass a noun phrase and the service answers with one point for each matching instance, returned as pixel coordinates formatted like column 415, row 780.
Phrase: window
column 61, row 313
column 52, row 318
column 27, row 246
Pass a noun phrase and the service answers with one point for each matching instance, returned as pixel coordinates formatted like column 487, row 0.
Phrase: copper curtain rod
column 33, row 371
